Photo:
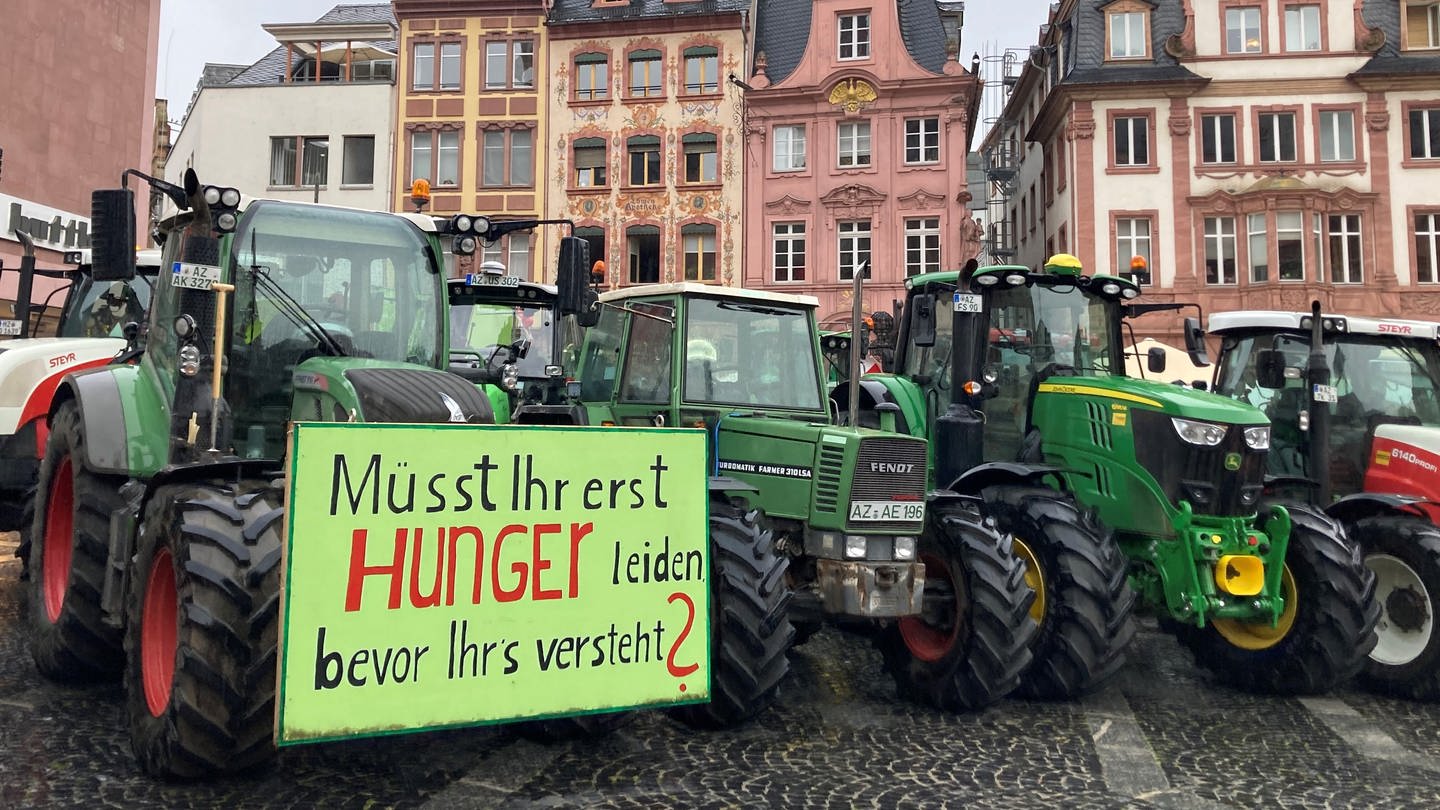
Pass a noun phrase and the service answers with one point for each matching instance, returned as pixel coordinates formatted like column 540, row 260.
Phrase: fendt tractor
column 91, row 331
column 1356, row 429
column 809, row 521
column 160, row 501
column 1042, row 423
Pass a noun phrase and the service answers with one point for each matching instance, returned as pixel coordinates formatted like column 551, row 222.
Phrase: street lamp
column 322, row 150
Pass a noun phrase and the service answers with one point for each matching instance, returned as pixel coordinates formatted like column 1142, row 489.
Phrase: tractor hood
column 31, row 368
column 344, row 388
column 1173, row 400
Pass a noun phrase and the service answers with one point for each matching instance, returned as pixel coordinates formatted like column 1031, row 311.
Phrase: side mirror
column 1195, row 342
column 112, row 234
column 572, row 277
column 1155, row 360
column 522, row 348
column 1270, row 368
column 922, row 320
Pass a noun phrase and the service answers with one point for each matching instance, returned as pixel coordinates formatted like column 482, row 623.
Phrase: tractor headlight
column 1015, row 280
column 904, row 548
column 855, row 546
column 463, row 223
column 1110, row 288
column 509, row 376
column 230, row 198
column 1258, row 438
column 211, row 195
column 189, row 360
column 225, row 223
column 987, row 280
column 1205, row 434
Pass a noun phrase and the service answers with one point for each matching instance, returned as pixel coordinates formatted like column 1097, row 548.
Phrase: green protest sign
column 448, row 575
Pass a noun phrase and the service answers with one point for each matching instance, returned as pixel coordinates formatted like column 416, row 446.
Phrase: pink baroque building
column 858, row 117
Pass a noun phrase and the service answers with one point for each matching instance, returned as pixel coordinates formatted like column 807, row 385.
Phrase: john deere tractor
column 835, row 516
column 1356, row 430
column 1103, row 478
column 157, row 538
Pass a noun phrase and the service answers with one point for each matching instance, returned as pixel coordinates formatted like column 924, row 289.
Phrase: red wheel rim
column 158, row 632
column 59, row 540
column 926, row 641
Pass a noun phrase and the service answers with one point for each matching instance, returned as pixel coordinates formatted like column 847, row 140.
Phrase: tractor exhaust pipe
column 1318, row 374
column 25, row 286
column 857, row 342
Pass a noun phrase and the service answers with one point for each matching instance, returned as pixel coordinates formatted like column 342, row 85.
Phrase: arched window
column 698, row 243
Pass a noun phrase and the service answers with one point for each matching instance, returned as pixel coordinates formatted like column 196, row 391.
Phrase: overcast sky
column 193, row 32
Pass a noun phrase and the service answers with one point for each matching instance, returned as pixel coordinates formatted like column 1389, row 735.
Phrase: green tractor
column 1041, row 422
column 809, row 521
column 157, row 533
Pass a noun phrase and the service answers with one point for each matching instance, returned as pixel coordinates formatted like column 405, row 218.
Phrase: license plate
column 1325, row 393
column 9, row 327
column 887, row 511
column 491, row 280
column 967, row 302
column 195, row 276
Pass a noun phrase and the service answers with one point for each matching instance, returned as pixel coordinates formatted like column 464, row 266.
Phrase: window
column 789, row 251
column 1290, row 244
column 512, row 251
column 854, row 36
column 1217, row 138
column 439, row 151
column 854, row 247
column 1132, row 141
column 1128, row 39
column 450, row 66
column 922, row 140
column 1132, row 238
column 789, row 154
column 422, row 156
column 423, row 73
column 701, row 158
column 645, row 74
column 1219, row 250
column 283, row 152
column 358, row 167
column 592, row 76
column 854, row 146
column 1337, row 135
column 590, row 162
column 702, row 70
column 922, row 245
column 1242, row 30
column 1277, row 137
column 522, row 64
column 507, row 157
column 1425, row 134
column 372, row 70
column 647, row 363
column 698, row 241
column 1345, row 261
column 509, row 64
column 1422, row 24
column 306, row 158
column 642, row 250
column 1302, row 28
column 1259, row 249
column 1427, row 248
column 644, row 153
column 595, row 235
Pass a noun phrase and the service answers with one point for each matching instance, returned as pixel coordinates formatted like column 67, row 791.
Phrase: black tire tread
column 224, row 539
column 1334, row 629
column 1416, row 542
column 78, row 647
column 994, row 649
column 1089, row 617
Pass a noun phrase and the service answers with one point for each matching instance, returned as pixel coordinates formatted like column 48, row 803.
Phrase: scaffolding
column 1001, row 157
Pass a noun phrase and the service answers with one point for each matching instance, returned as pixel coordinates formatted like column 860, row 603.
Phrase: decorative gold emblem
column 852, row 94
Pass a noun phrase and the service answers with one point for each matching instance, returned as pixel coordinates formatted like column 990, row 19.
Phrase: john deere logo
column 1232, row 461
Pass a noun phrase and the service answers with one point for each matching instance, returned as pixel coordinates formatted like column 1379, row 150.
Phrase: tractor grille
column 827, row 477
column 886, row 468
column 1198, row 474
column 415, row 395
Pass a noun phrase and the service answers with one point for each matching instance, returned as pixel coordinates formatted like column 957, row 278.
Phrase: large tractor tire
column 1325, row 632
column 202, row 629
column 749, row 621
column 969, row 647
column 1404, row 553
column 69, row 543
column 1083, row 601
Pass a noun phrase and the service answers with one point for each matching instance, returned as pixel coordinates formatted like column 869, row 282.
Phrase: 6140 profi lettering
column 887, row 510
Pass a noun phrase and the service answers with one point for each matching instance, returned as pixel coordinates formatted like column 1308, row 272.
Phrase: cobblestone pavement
column 1163, row 737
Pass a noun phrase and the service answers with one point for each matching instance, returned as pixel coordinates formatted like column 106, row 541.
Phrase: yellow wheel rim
column 1034, row 578
column 1259, row 635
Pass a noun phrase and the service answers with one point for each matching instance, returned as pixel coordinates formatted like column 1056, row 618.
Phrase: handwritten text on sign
column 445, row 575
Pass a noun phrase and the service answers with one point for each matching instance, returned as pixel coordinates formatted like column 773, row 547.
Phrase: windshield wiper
column 297, row 314
column 758, row 310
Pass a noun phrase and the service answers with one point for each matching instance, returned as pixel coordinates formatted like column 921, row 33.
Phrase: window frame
column 927, row 230
column 346, row 141
column 1126, row 9
column 508, row 154
column 437, row 59
column 1220, row 236
column 855, row 154
column 1237, row 124
column 1263, row 26
column 855, row 29
column 592, row 59
column 689, row 230
column 1322, row 35
column 1115, row 167
column 789, row 238
column 1430, row 25
column 850, row 230
column 804, row 133
column 1412, row 213
column 689, row 54
column 435, row 134
column 1297, row 139
column 658, row 60
column 699, row 137
column 1118, row 259
column 659, row 152
column 1331, row 235
column 1318, row 113
column 1250, row 234
column 604, row 150
column 922, row 134
column 1432, row 123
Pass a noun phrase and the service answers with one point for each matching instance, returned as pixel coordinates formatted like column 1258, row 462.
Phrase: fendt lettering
column 894, row 469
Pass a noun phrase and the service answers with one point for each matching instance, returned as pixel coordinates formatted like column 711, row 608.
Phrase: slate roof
column 270, row 69
column 1084, row 34
column 782, row 32
column 581, row 11
column 1389, row 60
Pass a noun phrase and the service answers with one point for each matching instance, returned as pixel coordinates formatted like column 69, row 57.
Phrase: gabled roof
column 582, row 11
column 782, row 31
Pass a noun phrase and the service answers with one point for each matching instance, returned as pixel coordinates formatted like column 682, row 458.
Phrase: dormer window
column 1127, row 30
column 1422, row 24
column 854, row 36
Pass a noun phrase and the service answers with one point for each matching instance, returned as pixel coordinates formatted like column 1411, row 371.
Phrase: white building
column 311, row 121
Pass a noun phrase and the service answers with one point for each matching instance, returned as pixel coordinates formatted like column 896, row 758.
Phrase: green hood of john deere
column 1171, row 399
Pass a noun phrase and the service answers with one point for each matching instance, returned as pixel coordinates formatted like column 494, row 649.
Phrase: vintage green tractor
column 800, row 506
column 1044, row 425
column 157, row 536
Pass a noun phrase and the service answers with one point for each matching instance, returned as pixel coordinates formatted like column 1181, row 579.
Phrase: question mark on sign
column 681, row 671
